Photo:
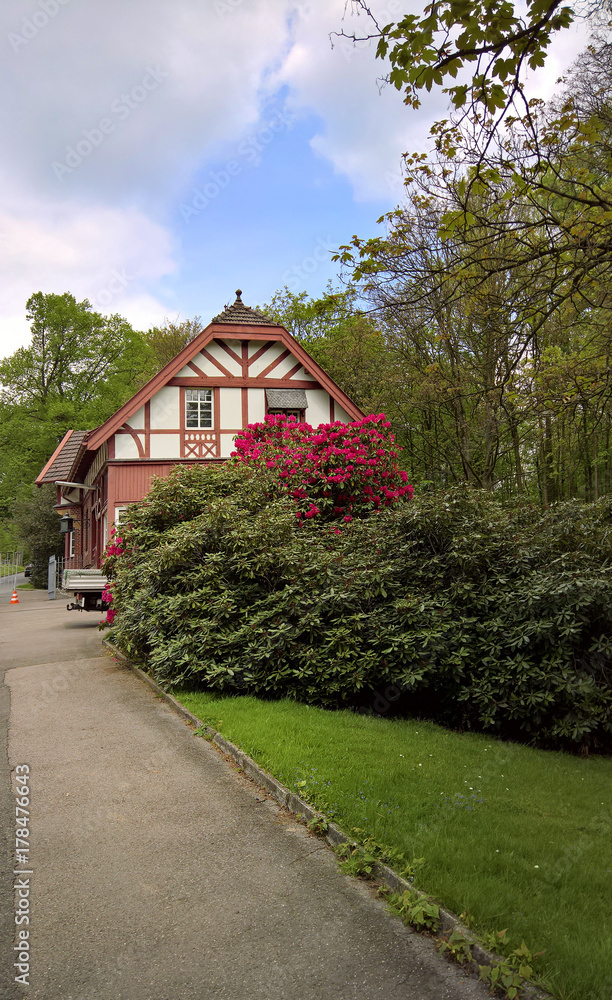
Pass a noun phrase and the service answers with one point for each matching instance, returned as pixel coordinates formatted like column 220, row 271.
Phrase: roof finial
column 238, row 294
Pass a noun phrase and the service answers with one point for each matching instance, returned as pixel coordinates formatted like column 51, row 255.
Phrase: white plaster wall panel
column 317, row 411
column 200, row 362
column 301, row 374
column 165, row 409
column 254, row 346
column 340, row 414
column 216, row 351
column 227, row 445
column 137, row 419
column 285, row 366
column 165, row 446
column 204, row 365
column 266, row 359
column 125, row 446
column 231, row 408
column 257, row 406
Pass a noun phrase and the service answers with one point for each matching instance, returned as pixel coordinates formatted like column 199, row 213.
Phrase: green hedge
column 449, row 606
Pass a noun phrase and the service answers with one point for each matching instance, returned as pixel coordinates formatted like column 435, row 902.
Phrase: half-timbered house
column 240, row 368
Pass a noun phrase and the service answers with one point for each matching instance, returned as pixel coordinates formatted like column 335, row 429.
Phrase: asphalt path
column 159, row 871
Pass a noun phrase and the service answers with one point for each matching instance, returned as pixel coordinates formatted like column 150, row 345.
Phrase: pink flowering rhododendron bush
column 335, row 471
column 451, row 605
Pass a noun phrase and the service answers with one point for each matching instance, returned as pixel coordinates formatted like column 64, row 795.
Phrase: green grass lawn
column 512, row 836
column 10, row 570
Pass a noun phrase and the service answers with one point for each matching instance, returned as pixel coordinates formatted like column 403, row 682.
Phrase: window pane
column 199, row 408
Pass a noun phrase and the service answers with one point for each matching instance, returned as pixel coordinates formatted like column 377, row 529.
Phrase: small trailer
column 87, row 586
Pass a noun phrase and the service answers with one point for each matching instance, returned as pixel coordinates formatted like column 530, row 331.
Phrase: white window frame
column 120, row 513
column 204, row 398
column 288, row 412
column 71, row 545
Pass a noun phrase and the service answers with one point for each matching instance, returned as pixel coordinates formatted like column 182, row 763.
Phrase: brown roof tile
column 239, row 313
column 61, row 466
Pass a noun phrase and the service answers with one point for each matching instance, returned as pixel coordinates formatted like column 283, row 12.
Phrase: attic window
column 198, row 408
column 291, row 402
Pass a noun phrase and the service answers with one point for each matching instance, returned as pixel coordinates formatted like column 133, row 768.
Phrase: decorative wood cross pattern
column 200, row 444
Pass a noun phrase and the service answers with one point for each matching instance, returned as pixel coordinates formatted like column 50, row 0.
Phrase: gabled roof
column 239, row 313
column 235, row 322
column 62, row 459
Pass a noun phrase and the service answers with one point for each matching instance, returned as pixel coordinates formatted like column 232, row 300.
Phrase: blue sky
column 157, row 156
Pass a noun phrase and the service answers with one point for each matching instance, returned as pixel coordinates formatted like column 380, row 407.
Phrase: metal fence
column 11, row 565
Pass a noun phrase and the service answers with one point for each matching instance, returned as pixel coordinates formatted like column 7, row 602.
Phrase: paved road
column 160, row 873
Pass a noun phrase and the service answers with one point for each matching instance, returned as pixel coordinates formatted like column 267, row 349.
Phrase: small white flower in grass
column 536, row 866
column 420, row 765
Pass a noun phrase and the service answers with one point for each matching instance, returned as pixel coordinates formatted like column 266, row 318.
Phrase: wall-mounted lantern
column 66, row 524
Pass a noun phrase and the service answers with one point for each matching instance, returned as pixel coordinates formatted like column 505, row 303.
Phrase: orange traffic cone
column 14, row 599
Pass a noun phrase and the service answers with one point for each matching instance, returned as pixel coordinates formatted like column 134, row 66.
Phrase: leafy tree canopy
column 495, row 39
column 73, row 350
column 37, row 526
column 166, row 341
column 343, row 339
column 78, row 369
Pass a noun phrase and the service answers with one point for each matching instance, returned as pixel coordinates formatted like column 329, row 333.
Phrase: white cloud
column 365, row 129
column 112, row 108
column 564, row 49
column 108, row 255
column 109, row 110
column 173, row 82
column 365, row 125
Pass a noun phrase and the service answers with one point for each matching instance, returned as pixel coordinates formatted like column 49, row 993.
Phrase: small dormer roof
column 63, row 458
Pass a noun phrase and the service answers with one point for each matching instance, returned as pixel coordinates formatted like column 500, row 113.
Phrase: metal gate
column 51, row 578
column 55, row 572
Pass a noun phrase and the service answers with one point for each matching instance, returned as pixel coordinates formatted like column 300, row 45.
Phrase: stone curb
column 334, row 836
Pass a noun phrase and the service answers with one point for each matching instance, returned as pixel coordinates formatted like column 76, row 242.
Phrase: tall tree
column 77, row 370
column 344, row 340
column 73, row 352
column 37, row 526
column 166, row 341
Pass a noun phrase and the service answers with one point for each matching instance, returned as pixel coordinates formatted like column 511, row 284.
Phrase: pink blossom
column 319, row 464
